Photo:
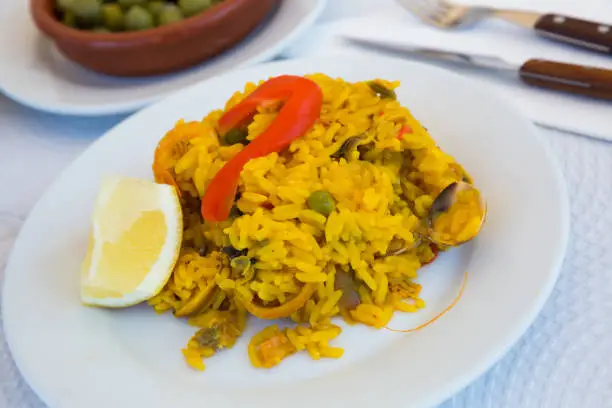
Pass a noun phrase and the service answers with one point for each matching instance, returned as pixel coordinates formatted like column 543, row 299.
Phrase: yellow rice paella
column 322, row 226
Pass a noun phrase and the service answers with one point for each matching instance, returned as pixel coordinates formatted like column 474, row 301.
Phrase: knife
column 581, row 33
column 558, row 76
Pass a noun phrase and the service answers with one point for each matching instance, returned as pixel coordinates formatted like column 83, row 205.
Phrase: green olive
column 126, row 4
column 138, row 18
column 193, row 7
column 113, row 17
column 236, row 135
column 170, row 14
column 321, row 202
column 64, row 5
column 155, row 7
column 69, row 19
column 86, row 10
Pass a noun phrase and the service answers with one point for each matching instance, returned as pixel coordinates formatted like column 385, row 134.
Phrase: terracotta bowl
column 158, row 50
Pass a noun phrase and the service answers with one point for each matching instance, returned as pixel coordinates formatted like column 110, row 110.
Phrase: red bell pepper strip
column 302, row 100
column 405, row 129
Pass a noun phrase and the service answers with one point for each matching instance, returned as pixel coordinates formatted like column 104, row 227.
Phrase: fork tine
column 438, row 8
column 422, row 8
column 445, row 13
column 435, row 12
column 425, row 9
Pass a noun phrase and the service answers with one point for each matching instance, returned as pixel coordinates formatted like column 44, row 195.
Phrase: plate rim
column 67, row 109
column 521, row 327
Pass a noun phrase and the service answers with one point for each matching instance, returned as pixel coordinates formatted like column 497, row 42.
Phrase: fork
column 582, row 33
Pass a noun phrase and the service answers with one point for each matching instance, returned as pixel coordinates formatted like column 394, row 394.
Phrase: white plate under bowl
column 34, row 73
column 76, row 357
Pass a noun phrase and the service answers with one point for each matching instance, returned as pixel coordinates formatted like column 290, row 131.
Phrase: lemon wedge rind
column 123, row 205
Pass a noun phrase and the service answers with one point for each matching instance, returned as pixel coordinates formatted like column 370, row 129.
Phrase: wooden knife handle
column 582, row 33
column 575, row 79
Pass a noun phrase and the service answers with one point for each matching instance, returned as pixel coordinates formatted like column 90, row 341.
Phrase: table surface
column 562, row 361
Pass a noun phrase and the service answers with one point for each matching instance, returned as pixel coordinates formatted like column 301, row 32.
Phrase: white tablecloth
column 564, row 360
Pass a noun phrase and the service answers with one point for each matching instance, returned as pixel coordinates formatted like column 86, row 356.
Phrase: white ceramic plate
column 42, row 78
column 77, row 357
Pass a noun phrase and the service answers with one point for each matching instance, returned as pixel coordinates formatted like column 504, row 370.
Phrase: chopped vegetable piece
column 382, row 91
column 346, row 148
column 236, row 136
column 208, row 337
column 242, row 267
column 269, row 347
column 232, row 252
column 322, row 202
column 406, row 129
column 302, row 107
column 345, row 282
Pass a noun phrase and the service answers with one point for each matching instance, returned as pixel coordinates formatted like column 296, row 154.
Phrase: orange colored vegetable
column 172, row 146
column 274, row 350
column 404, row 130
column 302, row 100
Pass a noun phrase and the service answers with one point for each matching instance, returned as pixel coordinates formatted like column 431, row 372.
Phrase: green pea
column 126, row 4
column 193, row 7
column 113, row 17
column 138, row 18
column 170, row 14
column 155, row 7
column 321, row 202
column 236, row 136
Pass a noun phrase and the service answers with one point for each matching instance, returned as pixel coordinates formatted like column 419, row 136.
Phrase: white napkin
column 387, row 21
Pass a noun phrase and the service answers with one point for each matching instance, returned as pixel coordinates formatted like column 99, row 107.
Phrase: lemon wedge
column 134, row 242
